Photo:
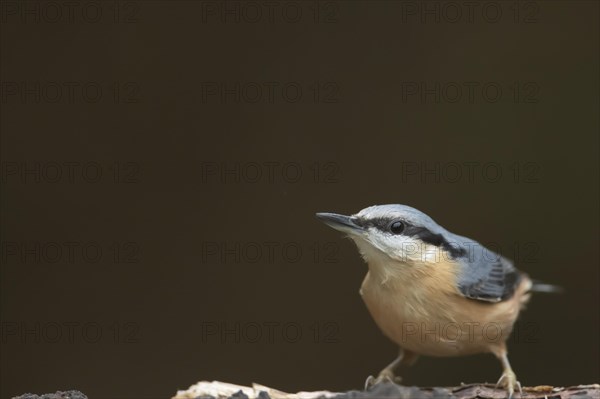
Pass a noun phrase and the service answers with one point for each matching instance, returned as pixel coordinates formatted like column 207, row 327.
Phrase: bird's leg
column 387, row 374
column 508, row 379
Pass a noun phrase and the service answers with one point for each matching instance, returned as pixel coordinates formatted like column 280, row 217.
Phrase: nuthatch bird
column 432, row 292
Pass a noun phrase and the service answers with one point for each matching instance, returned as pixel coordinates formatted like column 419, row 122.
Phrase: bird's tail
column 538, row 286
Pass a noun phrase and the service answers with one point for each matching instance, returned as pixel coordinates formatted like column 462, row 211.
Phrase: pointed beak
column 345, row 224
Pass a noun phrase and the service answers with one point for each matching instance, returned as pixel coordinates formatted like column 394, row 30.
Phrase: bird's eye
column 397, row 227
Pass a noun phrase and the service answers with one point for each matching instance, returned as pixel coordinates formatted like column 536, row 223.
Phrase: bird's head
column 387, row 234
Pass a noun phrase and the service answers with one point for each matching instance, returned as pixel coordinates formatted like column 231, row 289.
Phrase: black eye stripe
column 422, row 233
column 382, row 224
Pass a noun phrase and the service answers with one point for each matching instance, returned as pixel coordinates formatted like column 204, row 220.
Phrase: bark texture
column 219, row 390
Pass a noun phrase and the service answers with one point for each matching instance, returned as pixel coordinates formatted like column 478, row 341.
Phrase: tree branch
column 220, row 390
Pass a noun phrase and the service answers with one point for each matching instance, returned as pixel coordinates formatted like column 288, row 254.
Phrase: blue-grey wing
column 487, row 276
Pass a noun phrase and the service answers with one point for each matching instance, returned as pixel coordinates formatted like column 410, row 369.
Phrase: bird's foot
column 383, row 377
column 509, row 381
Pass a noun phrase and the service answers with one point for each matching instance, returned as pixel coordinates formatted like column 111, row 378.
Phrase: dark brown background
column 362, row 136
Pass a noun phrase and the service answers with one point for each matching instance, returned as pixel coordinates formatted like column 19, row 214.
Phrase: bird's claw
column 383, row 377
column 509, row 381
